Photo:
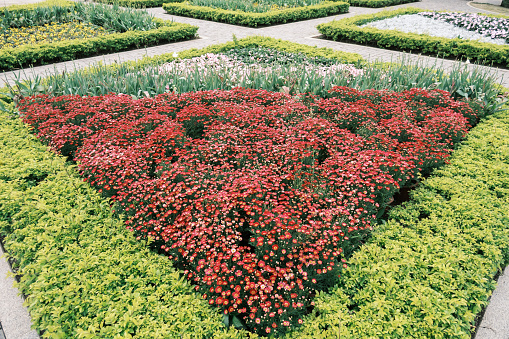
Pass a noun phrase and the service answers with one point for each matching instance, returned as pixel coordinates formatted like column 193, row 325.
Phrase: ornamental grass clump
column 258, row 197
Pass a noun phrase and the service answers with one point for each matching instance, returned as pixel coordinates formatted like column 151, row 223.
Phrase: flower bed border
column 348, row 30
column 257, row 19
column 40, row 54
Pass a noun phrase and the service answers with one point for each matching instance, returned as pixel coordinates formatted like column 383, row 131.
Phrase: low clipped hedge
column 257, row 19
column 137, row 3
column 349, row 30
column 45, row 53
column 427, row 272
column 378, row 3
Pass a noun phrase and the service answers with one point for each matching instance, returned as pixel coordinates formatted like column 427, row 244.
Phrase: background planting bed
column 349, row 30
column 257, row 19
column 44, row 53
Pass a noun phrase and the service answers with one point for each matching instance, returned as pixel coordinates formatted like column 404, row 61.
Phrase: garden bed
column 75, row 30
column 312, row 124
column 349, row 30
column 253, row 14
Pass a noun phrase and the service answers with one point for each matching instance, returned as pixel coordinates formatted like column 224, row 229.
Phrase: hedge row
column 427, row 272
column 349, row 30
column 137, row 3
column 378, row 3
column 84, row 274
column 45, row 53
column 257, row 19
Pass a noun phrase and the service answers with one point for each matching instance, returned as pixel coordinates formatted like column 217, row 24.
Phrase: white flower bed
column 415, row 23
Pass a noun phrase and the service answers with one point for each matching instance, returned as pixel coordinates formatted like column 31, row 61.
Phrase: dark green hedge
column 257, row 19
column 349, row 30
column 138, row 3
column 40, row 54
column 378, row 3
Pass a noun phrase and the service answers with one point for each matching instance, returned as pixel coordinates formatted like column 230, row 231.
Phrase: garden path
column 14, row 319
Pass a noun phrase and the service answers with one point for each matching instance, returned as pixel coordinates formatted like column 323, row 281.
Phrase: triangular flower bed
column 255, row 195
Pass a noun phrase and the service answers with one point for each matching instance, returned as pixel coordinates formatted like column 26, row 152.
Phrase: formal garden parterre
column 350, row 30
column 211, row 177
column 61, row 31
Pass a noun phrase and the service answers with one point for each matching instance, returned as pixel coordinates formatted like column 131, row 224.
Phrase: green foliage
column 257, row 19
column 378, row 3
column 137, row 3
column 34, row 6
column 84, row 274
column 11, row 58
column 505, row 3
column 254, row 6
column 115, row 18
column 348, row 30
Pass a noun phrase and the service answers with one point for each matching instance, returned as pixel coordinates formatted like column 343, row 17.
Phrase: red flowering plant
column 254, row 195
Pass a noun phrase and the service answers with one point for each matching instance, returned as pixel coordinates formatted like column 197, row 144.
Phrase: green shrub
column 505, row 3
column 256, row 19
column 378, row 3
column 137, row 3
column 349, row 30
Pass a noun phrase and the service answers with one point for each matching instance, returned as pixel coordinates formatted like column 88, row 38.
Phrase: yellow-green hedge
column 349, row 30
column 257, row 19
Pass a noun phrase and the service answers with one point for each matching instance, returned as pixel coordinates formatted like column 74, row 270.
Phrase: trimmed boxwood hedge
column 260, row 41
column 349, row 30
column 45, row 53
column 378, row 3
column 137, row 3
column 426, row 273
column 257, row 19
